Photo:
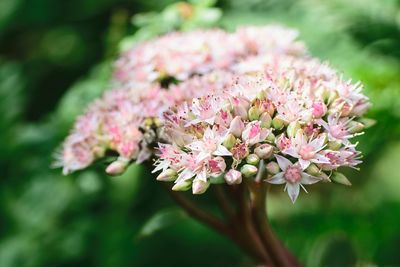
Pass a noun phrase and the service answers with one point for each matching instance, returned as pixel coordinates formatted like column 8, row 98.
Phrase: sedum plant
column 237, row 112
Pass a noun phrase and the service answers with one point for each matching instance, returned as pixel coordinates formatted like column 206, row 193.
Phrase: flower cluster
column 180, row 55
column 156, row 75
column 126, row 121
column 218, row 107
column 292, row 118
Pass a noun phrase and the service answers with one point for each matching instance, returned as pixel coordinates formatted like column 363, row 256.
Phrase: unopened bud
column 233, row 177
column 278, row 123
column 168, row 175
column 261, row 95
column 240, row 111
column 271, row 137
column 252, row 159
column 117, row 167
column 292, row 128
column 264, row 151
column 148, row 122
column 272, row 167
column 339, row 178
column 229, row 141
column 319, row 109
column 248, row 170
column 356, row 127
column 331, row 96
column 182, row 185
column 199, row 187
column 313, row 170
column 368, row 122
column 334, row 145
column 237, row 126
column 99, row 151
column 254, row 113
column 324, row 177
column 265, row 120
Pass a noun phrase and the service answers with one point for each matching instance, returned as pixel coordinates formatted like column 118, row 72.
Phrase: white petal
column 320, row 159
column 222, row 151
column 304, row 163
column 202, row 175
column 196, row 145
column 309, row 179
column 208, row 134
column 293, row 191
column 292, row 152
column 210, row 120
column 277, row 179
column 283, row 162
column 300, row 138
column 185, row 175
column 318, row 143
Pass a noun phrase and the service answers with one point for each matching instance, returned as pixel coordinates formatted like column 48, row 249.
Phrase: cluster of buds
column 218, row 107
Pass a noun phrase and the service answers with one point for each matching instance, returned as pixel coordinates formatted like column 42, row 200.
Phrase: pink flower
column 307, row 151
column 292, row 176
column 210, row 144
column 254, row 133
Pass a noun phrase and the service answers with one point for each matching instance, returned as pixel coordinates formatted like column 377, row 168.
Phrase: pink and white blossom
column 293, row 176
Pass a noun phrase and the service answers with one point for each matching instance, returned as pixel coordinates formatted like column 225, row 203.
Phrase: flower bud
column 233, row 177
column 367, row 122
column 282, row 142
column 313, row 170
column 271, row 137
column 261, row 95
column 356, row 127
column 217, row 179
column 319, row 109
column 254, row 113
column 252, row 159
column 229, row 141
column 334, row 145
column 339, row 178
column 168, row 175
column 99, row 151
column 236, row 127
column 182, row 185
column 117, row 167
column 331, row 96
column 199, row 187
column 248, row 170
column 277, row 123
column 264, row 151
column 240, row 111
column 292, row 128
column 272, row 167
column 265, row 120
column 324, row 177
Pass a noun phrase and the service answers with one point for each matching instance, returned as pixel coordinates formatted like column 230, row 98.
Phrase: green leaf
column 162, row 219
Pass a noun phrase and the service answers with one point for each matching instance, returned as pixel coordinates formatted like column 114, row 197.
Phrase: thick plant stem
column 245, row 223
column 214, row 223
column 281, row 256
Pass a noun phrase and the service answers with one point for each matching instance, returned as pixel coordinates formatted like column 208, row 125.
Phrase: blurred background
column 55, row 57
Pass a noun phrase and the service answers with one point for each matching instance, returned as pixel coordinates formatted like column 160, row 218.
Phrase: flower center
column 210, row 145
column 307, row 152
column 293, row 174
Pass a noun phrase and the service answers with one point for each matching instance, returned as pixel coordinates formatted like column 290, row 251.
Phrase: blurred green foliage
column 56, row 56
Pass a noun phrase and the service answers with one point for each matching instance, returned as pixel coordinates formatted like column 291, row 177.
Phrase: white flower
column 293, row 176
